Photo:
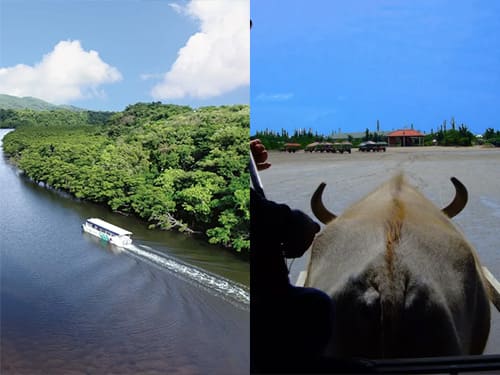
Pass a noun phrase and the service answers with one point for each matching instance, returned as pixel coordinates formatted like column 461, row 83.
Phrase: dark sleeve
column 291, row 230
column 267, row 220
column 267, row 264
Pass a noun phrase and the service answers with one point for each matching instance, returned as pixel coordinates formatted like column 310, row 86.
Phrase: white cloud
column 277, row 97
column 147, row 76
column 215, row 60
column 64, row 74
column 178, row 8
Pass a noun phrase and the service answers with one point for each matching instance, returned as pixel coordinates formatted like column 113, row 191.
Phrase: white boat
column 107, row 232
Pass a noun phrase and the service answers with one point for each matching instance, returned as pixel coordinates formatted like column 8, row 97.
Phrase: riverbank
column 72, row 304
column 293, row 177
column 166, row 164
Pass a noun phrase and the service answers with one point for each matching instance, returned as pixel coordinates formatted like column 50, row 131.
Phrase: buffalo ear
column 318, row 208
column 459, row 201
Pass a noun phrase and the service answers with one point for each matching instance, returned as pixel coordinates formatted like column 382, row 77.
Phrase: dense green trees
column 171, row 165
column 491, row 136
column 451, row 137
column 10, row 118
column 275, row 141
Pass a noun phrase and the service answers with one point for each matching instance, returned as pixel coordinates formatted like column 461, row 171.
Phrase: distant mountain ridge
column 28, row 102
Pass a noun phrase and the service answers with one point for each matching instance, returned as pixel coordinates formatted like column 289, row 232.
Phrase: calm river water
column 70, row 304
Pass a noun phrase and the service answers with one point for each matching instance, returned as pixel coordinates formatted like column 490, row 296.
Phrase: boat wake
column 228, row 290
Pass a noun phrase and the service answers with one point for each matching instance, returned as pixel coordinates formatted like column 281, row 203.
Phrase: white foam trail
column 219, row 285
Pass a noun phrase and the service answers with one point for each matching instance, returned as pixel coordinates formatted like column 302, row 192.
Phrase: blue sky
column 331, row 64
column 107, row 54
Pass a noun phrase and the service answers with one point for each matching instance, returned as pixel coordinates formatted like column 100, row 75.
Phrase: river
column 71, row 304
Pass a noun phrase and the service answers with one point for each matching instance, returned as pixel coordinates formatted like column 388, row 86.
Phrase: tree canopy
column 173, row 166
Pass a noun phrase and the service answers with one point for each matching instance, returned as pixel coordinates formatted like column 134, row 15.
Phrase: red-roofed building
column 405, row 137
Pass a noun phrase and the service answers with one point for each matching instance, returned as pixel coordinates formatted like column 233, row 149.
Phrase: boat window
column 102, row 230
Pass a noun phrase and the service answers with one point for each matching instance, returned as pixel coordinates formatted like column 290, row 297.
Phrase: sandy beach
column 293, row 177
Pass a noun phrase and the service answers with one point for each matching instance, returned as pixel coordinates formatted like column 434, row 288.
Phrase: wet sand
column 293, row 178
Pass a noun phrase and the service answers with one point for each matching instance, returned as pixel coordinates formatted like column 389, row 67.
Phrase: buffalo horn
column 459, row 201
column 318, row 208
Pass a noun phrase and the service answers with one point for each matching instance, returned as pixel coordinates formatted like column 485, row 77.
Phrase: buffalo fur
column 404, row 280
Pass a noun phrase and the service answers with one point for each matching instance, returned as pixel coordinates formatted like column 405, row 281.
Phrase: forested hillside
column 15, row 102
column 173, row 166
column 10, row 118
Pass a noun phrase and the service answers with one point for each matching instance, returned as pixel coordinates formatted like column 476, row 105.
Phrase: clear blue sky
column 107, row 54
column 331, row 64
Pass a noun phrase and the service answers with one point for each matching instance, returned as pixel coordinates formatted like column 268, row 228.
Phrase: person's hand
column 259, row 154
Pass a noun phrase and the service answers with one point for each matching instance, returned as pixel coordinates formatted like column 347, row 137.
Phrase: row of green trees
column 276, row 140
column 453, row 136
column 445, row 136
column 171, row 165
column 491, row 136
column 10, row 118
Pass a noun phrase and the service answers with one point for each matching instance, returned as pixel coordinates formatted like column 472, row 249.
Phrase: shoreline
column 65, row 194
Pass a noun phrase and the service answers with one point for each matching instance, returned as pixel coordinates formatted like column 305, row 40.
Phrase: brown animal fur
column 404, row 280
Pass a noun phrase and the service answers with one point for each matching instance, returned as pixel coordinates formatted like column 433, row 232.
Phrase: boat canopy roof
column 110, row 227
